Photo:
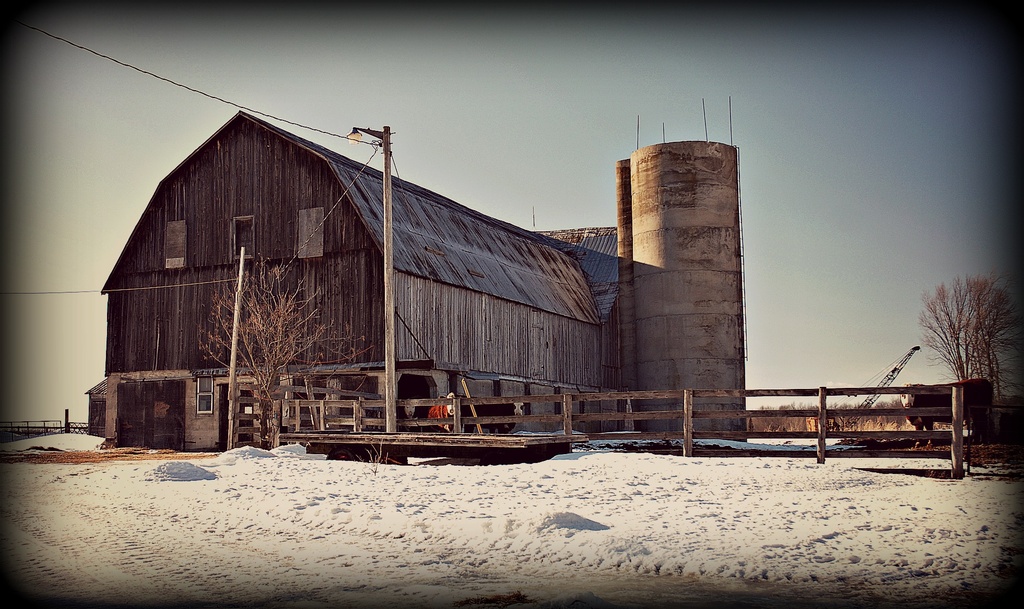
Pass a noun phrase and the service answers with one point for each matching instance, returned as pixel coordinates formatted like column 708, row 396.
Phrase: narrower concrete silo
column 687, row 290
column 626, row 306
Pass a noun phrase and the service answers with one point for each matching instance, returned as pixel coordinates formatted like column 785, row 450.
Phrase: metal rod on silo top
column 704, row 111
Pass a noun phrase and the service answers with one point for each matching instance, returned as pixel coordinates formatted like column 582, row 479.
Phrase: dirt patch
column 998, row 461
column 997, row 454
column 497, row 600
column 42, row 455
column 941, row 474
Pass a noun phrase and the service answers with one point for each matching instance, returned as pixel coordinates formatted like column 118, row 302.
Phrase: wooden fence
column 363, row 415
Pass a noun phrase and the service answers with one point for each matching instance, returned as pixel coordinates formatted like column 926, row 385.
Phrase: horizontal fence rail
column 360, row 414
column 30, row 429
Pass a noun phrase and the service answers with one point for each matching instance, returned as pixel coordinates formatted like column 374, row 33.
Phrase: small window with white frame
column 204, row 395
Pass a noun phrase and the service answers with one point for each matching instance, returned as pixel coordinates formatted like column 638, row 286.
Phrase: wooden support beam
column 457, row 414
column 822, row 422
column 472, row 408
column 688, row 423
column 957, row 445
column 567, row 414
column 357, row 415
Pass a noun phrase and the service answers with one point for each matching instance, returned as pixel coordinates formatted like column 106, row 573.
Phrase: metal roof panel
column 439, row 239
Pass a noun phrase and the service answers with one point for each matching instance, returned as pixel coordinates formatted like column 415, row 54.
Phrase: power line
column 175, row 83
column 50, row 292
column 174, row 285
column 135, row 289
column 375, row 146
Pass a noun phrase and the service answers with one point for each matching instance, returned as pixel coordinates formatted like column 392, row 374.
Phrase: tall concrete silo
column 686, row 284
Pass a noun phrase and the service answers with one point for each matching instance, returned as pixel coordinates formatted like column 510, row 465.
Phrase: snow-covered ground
column 252, row 528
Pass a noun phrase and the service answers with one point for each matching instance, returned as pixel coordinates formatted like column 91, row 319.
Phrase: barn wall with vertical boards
column 488, row 334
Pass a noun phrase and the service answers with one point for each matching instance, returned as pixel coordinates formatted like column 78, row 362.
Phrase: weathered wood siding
column 243, row 171
column 480, row 332
column 611, row 366
column 161, row 329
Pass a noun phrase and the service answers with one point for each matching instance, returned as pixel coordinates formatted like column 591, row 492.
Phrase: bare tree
column 277, row 326
column 974, row 329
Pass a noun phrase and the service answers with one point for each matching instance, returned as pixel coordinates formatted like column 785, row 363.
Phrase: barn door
column 222, row 416
column 151, row 414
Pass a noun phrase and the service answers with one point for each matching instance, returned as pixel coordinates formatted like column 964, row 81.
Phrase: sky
column 874, row 148
column 593, row 529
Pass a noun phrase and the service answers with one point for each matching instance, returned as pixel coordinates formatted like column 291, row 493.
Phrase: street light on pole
column 390, row 374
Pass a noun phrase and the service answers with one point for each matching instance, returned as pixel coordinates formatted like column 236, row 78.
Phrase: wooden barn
column 507, row 310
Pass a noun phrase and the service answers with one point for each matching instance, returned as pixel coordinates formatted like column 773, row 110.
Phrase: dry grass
column 837, row 422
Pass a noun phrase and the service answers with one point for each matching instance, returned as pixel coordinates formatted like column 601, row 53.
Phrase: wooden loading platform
column 486, row 449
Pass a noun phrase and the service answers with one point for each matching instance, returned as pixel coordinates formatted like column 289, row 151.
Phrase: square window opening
column 242, row 236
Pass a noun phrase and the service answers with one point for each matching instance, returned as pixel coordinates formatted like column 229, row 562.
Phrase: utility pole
column 390, row 372
column 232, row 383
column 390, row 355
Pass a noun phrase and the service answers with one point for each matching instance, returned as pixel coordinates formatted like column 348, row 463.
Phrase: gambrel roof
column 441, row 240
column 596, row 251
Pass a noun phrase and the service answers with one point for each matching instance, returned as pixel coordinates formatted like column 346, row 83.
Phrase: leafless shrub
column 277, row 325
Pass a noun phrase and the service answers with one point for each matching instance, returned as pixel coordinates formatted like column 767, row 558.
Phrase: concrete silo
column 679, row 235
column 626, row 306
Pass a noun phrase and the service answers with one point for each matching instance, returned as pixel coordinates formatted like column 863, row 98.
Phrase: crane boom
column 891, row 376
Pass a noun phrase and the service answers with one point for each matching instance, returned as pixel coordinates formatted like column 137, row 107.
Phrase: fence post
column 567, row 414
column 457, row 413
column 688, row 422
column 67, row 422
column 357, row 415
column 957, row 445
column 822, row 423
